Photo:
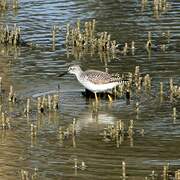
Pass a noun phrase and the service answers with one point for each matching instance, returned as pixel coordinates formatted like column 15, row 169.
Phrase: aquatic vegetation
column 24, row 107
column 124, row 170
column 5, row 5
column 165, row 173
column 48, row 103
column 64, row 133
column 177, row 174
column 12, row 95
column 26, row 174
column 136, row 83
column 5, row 121
column 54, row 31
column 174, row 90
column 82, row 38
column 33, row 130
column 120, row 132
column 174, row 115
column 77, row 167
column 149, row 41
column 11, row 39
column 10, row 36
column 0, row 85
column 158, row 7
column 27, row 110
column 161, row 88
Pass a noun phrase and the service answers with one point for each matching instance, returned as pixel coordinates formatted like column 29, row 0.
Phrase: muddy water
column 33, row 72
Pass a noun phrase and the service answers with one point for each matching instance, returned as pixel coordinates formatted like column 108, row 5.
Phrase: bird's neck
column 78, row 74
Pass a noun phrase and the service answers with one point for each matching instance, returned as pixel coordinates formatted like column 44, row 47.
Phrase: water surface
column 33, row 72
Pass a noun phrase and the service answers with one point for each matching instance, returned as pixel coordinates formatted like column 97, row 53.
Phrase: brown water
column 33, row 72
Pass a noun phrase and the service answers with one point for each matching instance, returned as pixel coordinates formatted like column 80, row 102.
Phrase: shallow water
column 33, row 72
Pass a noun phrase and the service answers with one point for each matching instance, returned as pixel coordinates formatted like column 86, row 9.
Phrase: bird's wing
column 98, row 77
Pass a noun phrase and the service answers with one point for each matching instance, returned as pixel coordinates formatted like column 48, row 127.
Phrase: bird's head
column 75, row 69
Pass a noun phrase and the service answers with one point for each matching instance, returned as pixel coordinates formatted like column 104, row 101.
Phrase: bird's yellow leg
column 110, row 98
column 96, row 97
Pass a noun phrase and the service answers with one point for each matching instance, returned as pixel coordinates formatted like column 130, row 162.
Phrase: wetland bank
column 49, row 129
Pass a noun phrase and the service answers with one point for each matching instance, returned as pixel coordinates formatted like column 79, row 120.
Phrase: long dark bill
column 62, row 74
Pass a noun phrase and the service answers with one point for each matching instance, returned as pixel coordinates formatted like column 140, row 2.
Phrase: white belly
column 98, row 87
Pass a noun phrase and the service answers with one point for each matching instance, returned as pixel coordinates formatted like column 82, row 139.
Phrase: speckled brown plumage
column 99, row 77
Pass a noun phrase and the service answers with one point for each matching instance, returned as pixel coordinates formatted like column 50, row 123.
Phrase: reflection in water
column 94, row 117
